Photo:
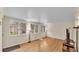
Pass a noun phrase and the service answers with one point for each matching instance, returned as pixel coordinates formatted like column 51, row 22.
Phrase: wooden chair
column 68, row 43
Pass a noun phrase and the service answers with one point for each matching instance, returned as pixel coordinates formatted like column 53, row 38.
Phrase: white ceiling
column 51, row 14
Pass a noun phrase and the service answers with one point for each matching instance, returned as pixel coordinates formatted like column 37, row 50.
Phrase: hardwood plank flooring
column 42, row 45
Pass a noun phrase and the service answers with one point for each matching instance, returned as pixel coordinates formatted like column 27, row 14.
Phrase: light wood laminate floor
column 42, row 45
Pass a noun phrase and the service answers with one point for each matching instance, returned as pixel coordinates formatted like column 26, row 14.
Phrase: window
column 32, row 28
column 23, row 28
column 43, row 28
column 13, row 28
column 36, row 28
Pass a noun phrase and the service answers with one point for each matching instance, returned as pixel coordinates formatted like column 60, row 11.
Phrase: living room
column 36, row 29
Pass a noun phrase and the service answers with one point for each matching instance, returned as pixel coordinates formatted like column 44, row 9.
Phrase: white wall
column 1, row 16
column 30, row 15
column 55, row 19
column 58, row 29
column 9, row 40
column 34, row 36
